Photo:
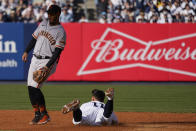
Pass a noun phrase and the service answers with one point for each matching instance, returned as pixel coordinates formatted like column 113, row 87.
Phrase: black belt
column 41, row 57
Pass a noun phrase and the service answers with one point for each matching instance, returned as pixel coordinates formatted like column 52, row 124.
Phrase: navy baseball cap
column 54, row 9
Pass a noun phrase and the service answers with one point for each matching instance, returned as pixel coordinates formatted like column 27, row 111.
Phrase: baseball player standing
column 48, row 42
column 95, row 112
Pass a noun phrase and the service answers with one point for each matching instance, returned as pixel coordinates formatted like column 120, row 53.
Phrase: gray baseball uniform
column 48, row 38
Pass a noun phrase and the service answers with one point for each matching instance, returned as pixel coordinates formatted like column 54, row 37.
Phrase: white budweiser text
column 111, row 51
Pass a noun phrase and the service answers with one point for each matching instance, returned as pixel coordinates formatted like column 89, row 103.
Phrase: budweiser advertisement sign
column 129, row 52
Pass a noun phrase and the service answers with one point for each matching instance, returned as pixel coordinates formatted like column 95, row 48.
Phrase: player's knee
column 33, row 90
column 34, row 94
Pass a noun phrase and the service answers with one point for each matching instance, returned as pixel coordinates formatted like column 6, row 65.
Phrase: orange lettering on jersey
column 48, row 36
column 62, row 42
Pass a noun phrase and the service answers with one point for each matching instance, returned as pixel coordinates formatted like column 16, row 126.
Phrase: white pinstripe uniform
column 92, row 114
column 48, row 38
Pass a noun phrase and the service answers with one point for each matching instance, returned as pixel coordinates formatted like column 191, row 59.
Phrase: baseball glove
column 40, row 75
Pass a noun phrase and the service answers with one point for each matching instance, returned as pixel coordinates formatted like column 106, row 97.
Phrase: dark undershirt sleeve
column 108, row 108
column 31, row 45
column 54, row 57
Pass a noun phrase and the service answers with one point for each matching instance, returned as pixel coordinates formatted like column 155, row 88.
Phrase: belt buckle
column 35, row 56
column 38, row 56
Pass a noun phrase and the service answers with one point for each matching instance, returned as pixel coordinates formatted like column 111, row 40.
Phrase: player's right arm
column 30, row 46
column 32, row 43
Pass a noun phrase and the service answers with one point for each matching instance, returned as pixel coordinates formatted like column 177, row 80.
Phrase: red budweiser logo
column 124, row 51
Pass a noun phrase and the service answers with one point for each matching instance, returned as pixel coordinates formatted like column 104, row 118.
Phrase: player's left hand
column 41, row 75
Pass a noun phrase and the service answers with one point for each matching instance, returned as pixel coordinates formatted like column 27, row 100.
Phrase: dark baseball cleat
column 109, row 93
column 71, row 106
column 45, row 118
column 36, row 118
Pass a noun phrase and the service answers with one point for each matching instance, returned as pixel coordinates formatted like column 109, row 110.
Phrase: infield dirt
column 17, row 120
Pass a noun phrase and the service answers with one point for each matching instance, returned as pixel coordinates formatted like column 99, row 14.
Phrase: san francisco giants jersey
column 48, row 38
column 92, row 114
